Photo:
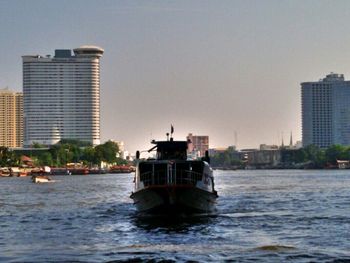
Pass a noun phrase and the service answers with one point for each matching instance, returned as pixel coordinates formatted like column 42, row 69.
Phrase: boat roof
column 179, row 145
column 171, row 149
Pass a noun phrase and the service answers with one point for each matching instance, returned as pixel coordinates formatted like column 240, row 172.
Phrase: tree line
column 310, row 157
column 229, row 158
column 66, row 151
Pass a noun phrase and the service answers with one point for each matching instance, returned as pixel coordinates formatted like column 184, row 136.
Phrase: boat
column 78, row 171
column 170, row 183
column 117, row 169
column 97, row 171
column 59, row 171
column 22, row 173
column 41, row 179
column 15, row 171
column 5, row 172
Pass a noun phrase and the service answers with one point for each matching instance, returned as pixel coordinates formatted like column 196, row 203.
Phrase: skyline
column 207, row 68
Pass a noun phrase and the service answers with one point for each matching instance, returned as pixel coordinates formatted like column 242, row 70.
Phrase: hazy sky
column 208, row 67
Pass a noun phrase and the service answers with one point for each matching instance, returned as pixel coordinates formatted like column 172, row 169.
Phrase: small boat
column 97, row 171
column 170, row 183
column 22, row 173
column 41, row 179
column 5, row 172
column 15, row 171
column 59, row 171
column 116, row 169
column 78, row 171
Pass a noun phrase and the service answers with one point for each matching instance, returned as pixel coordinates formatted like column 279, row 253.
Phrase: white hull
column 42, row 179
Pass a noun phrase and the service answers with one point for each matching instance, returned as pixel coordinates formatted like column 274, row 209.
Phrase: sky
column 208, row 67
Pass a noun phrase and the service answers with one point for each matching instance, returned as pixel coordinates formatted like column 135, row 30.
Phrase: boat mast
column 171, row 132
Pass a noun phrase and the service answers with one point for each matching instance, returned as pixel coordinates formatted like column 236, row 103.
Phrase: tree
column 74, row 142
column 316, row 156
column 44, row 159
column 37, row 145
column 88, row 155
column 227, row 158
column 336, row 152
column 107, row 152
column 300, row 156
column 7, row 157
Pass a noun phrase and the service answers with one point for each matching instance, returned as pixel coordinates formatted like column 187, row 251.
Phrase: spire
column 291, row 139
column 282, row 145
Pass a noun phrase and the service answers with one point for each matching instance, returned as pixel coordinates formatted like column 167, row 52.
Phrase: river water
column 262, row 215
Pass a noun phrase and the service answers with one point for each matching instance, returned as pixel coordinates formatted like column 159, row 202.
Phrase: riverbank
column 69, row 170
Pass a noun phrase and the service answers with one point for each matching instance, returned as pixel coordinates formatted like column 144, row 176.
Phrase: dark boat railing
column 174, row 177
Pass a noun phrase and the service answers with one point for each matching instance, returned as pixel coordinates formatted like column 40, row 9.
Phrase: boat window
column 171, row 155
column 171, row 150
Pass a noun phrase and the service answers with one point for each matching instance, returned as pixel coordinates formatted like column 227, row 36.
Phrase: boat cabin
column 171, row 165
column 171, row 150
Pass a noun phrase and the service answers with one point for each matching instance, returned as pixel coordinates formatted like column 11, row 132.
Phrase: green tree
column 37, row 145
column 336, row 152
column 300, row 156
column 89, row 155
column 346, row 154
column 44, row 159
column 8, row 158
column 228, row 158
column 74, row 142
column 107, row 152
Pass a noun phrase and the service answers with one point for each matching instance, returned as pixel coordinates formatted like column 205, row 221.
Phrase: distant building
column 122, row 152
column 214, row 151
column 268, row 147
column 326, row 111
column 263, row 158
column 11, row 119
column 62, row 96
column 120, row 145
column 199, row 144
column 298, row 145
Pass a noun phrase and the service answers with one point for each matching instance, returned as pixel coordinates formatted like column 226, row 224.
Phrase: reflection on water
column 171, row 223
column 264, row 216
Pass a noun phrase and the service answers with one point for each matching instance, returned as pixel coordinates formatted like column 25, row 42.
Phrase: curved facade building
column 62, row 96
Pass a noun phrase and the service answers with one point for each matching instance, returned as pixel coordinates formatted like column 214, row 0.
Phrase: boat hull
column 41, row 179
column 174, row 199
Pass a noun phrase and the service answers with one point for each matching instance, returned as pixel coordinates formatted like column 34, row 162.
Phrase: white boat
column 171, row 183
column 41, row 179
column 5, row 172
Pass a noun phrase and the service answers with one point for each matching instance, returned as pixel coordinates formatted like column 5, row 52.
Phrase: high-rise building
column 62, row 96
column 326, row 111
column 11, row 119
column 198, row 145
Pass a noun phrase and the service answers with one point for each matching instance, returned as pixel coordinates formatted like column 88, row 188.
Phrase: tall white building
column 326, row 111
column 62, row 96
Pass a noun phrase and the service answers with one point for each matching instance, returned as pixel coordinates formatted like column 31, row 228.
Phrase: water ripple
column 264, row 216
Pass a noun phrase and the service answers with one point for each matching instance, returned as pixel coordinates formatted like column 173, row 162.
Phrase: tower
column 62, row 96
column 326, row 111
column 11, row 118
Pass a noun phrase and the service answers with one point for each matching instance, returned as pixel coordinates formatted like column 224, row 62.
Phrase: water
column 265, row 216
